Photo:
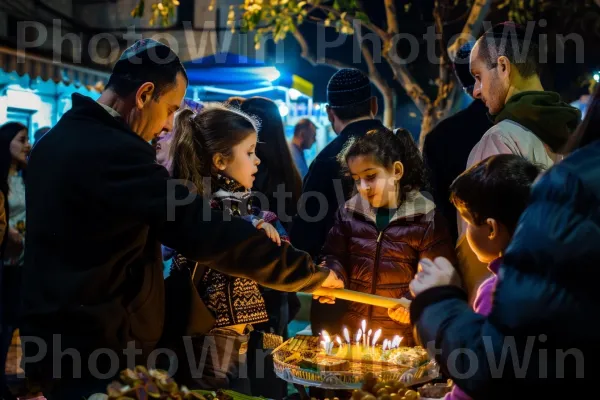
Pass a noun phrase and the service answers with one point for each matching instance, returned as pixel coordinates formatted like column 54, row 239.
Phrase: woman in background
column 277, row 167
column 15, row 147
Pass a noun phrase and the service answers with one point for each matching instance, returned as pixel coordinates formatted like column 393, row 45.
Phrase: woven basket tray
column 346, row 380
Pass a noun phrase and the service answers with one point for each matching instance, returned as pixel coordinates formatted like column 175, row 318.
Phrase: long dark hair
column 589, row 130
column 273, row 151
column 387, row 147
column 8, row 131
column 197, row 137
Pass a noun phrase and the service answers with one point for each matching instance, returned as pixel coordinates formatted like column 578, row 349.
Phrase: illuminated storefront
column 37, row 92
column 223, row 75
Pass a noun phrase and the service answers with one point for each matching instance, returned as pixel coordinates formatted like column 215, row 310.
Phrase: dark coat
column 545, row 302
column 446, row 151
column 98, row 207
column 383, row 262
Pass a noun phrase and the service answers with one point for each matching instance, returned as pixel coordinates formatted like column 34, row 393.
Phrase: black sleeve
column 542, row 300
column 317, row 209
column 137, row 186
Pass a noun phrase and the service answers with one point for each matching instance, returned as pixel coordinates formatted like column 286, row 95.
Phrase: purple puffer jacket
column 384, row 262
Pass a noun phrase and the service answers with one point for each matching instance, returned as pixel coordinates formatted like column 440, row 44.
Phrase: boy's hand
column 399, row 314
column 434, row 273
column 270, row 231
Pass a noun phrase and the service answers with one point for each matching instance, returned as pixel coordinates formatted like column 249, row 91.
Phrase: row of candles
column 362, row 338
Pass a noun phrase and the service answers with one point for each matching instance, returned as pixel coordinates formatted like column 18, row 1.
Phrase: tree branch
column 306, row 54
column 479, row 11
column 381, row 84
column 392, row 21
column 372, row 27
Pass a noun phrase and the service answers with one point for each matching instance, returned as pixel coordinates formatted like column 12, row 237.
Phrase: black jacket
column 98, row 207
column 323, row 177
column 545, row 302
column 446, row 151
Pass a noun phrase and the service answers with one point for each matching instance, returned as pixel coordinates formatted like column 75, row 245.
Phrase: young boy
column 490, row 197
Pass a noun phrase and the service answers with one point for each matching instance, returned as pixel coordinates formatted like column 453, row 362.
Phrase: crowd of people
column 145, row 221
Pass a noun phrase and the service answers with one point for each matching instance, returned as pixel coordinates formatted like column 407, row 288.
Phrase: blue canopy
column 229, row 70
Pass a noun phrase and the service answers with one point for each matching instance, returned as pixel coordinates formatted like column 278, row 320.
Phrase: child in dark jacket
column 490, row 197
column 381, row 233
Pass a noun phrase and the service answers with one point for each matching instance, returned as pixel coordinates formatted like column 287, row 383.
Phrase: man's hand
column 331, row 282
column 434, row 273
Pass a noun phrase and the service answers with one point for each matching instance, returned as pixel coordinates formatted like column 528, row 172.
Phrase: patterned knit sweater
column 233, row 301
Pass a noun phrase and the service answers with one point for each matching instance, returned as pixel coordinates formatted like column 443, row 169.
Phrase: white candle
column 385, row 344
column 347, row 335
column 369, row 338
column 358, row 336
column 376, row 337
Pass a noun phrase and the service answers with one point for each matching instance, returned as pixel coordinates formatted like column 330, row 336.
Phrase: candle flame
column 325, row 336
column 364, row 325
column 370, row 332
column 358, row 335
column 339, row 340
column 396, row 341
column 346, row 335
column 376, row 336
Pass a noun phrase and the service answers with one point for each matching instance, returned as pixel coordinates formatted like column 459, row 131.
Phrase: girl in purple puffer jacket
column 380, row 234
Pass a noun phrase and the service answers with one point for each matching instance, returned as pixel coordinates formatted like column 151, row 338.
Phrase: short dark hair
column 156, row 63
column 354, row 111
column 387, row 147
column 497, row 187
column 302, row 125
column 510, row 40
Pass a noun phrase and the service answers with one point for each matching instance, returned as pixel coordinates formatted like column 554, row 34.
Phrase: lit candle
column 369, row 338
column 385, row 344
column 358, row 336
column 376, row 337
column 396, row 341
column 347, row 335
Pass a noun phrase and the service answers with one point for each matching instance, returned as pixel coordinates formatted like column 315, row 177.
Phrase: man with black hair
column 351, row 112
column 99, row 206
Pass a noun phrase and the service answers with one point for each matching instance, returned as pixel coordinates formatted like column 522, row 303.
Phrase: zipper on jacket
column 375, row 272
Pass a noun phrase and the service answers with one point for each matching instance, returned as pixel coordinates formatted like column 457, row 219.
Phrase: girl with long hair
column 15, row 147
column 215, row 150
column 381, row 233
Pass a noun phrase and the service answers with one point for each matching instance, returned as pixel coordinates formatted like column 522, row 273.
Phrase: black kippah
column 148, row 49
column 348, row 87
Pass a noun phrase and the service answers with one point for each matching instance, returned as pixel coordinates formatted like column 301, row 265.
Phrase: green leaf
column 361, row 16
column 336, row 5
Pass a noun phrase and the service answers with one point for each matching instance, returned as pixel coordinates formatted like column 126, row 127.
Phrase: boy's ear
column 493, row 228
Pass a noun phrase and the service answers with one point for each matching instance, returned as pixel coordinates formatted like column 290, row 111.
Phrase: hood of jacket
column 543, row 113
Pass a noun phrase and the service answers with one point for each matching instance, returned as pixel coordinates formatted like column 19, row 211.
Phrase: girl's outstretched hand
column 399, row 314
column 270, row 231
